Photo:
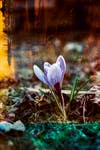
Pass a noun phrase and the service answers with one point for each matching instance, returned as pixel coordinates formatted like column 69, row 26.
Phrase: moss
column 61, row 136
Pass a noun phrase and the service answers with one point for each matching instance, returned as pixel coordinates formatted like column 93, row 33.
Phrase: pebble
column 7, row 126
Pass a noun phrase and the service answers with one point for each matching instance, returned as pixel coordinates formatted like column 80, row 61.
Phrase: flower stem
column 61, row 108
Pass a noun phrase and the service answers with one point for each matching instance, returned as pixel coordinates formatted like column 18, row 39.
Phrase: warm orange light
column 0, row 4
column 6, row 70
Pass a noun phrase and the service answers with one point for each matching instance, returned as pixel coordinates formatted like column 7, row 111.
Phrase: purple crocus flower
column 53, row 74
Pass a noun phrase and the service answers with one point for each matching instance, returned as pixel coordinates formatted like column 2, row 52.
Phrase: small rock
column 74, row 46
column 7, row 126
column 19, row 126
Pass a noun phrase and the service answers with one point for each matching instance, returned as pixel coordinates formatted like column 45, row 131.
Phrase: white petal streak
column 46, row 66
column 39, row 73
column 62, row 63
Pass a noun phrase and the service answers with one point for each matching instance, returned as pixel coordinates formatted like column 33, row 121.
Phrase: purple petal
column 54, row 74
column 39, row 73
column 46, row 67
column 62, row 63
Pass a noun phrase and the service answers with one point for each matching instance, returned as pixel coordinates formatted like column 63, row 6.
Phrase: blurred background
column 34, row 31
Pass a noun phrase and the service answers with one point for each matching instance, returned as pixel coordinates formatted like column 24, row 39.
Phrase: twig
column 63, row 91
